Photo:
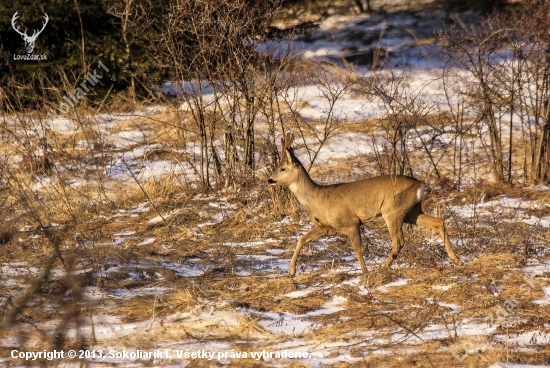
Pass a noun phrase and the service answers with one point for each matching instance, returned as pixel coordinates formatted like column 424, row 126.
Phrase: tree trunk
column 496, row 144
column 249, row 139
column 543, row 149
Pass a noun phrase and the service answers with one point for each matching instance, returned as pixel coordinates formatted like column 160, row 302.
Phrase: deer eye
column 283, row 169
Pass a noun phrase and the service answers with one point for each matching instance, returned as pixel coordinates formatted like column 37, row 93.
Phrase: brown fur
column 343, row 208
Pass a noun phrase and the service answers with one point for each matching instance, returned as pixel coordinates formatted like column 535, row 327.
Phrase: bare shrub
column 502, row 69
column 405, row 107
column 221, row 64
column 332, row 85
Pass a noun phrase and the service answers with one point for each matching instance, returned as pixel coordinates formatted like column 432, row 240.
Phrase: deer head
column 29, row 40
column 288, row 171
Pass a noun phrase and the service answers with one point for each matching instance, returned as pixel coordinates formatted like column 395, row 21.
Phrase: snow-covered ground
column 176, row 280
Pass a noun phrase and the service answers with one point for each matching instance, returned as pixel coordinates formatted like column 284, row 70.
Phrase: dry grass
column 177, row 267
column 402, row 309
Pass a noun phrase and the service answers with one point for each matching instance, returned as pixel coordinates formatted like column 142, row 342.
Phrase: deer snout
column 271, row 181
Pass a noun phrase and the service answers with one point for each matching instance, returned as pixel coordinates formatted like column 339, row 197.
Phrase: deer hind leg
column 313, row 234
column 417, row 217
column 354, row 235
column 395, row 226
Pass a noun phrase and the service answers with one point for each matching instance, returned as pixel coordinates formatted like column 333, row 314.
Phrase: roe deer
column 342, row 208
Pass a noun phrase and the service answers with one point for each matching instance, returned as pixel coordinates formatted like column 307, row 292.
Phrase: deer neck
column 304, row 187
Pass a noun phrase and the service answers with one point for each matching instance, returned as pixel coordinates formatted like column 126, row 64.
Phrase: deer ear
column 288, row 156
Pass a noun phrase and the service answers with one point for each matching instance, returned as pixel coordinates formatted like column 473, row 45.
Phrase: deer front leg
column 313, row 234
column 354, row 235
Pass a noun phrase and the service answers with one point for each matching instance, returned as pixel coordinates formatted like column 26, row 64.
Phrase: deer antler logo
column 29, row 40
